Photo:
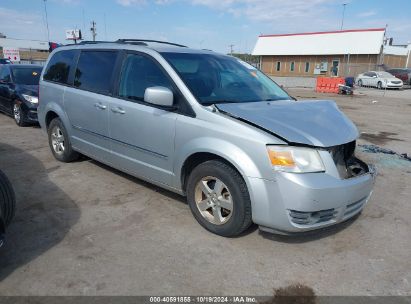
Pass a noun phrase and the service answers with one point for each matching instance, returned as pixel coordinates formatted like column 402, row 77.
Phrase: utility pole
column 93, row 30
column 343, row 15
column 231, row 49
column 47, row 21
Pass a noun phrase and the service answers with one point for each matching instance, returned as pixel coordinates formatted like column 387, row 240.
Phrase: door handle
column 100, row 106
column 118, row 110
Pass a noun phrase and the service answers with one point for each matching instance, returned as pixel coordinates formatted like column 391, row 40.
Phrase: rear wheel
column 219, row 199
column 59, row 142
column 360, row 83
column 379, row 85
column 18, row 114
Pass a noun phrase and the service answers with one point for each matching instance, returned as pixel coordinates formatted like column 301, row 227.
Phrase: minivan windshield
column 214, row 79
column 26, row 75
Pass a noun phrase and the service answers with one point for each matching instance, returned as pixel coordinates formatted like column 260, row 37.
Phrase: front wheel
column 379, row 85
column 360, row 83
column 219, row 199
column 59, row 142
column 18, row 114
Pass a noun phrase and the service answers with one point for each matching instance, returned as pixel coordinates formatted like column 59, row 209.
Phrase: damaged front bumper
column 292, row 203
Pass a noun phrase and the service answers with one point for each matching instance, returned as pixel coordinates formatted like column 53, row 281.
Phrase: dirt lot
column 85, row 229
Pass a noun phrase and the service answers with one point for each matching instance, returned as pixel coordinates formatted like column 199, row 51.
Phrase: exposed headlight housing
column 295, row 159
column 29, row 98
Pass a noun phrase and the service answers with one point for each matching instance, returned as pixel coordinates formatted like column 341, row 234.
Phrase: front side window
column 58, row 69
column 214, row 78
column 139, row 73
column 94, row 71
column 26, row 75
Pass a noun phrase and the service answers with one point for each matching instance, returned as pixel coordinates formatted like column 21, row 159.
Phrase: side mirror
column 159, row 96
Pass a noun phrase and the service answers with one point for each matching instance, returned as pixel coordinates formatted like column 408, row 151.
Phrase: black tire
column 360, row 83
column 240, row 219
column 379, row 85
column 20, row 118
column 7, row 201
column 68, row 155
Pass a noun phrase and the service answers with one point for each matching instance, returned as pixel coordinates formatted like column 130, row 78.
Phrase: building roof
column 24, row 44
column 401, row 50
column 359, row 41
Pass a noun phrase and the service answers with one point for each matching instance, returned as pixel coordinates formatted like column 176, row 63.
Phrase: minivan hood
column 314, row 123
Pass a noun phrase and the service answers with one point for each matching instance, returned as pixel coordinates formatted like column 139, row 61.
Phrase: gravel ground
column 86, row 229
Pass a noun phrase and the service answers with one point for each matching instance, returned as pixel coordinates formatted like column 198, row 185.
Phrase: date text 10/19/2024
column 205, row 299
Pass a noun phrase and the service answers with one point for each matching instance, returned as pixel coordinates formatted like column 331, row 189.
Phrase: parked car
column 403, row 74
column 5, row 61
column 207, row 126
column 7, row 205
column 19, row 92
column 380, row 80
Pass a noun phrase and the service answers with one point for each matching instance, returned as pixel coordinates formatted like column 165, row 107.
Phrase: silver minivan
column 207, row 126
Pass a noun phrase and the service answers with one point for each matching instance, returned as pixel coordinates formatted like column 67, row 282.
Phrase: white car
column 380, row 80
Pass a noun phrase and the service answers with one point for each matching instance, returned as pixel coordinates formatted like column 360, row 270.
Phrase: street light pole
column 231, row 49
column 343, row 15
column 47, row 21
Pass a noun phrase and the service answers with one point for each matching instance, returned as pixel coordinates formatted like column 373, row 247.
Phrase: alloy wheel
column 17, row 113
column 214, row 200
column 57, row 140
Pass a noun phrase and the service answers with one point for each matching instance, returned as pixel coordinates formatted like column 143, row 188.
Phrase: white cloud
column 267, row 10
column 16, row 24
column 367, row 14
column 141, row 2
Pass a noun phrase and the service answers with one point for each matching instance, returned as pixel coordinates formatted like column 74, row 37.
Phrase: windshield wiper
column 209, row 103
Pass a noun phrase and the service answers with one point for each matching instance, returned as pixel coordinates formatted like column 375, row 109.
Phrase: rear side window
column 94, row 71
column 58, row 69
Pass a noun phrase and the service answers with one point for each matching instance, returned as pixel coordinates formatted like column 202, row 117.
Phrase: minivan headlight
column 29, row 98
column 295, row 159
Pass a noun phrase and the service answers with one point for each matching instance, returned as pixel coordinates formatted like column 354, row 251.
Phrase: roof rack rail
column 142, row 42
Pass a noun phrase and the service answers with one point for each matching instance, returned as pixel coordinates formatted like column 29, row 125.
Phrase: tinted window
column 26, row 75
column 94, row 71
column 58, row 69
column 139, row 73
column 5, row 75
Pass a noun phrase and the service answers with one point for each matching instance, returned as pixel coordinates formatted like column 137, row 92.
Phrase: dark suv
column 403, row 74
column 19, row 92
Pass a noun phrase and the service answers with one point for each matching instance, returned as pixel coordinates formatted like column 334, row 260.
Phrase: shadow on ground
column 44, row 213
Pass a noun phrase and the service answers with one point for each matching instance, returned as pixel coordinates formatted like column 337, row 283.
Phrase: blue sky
column 211, row 24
